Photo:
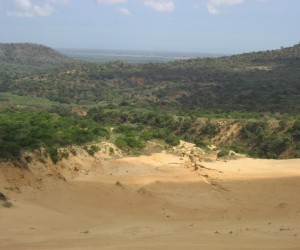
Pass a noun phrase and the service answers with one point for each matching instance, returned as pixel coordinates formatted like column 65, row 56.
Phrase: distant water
column 129, row 56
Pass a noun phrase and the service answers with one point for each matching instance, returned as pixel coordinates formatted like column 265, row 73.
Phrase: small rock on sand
column 144, row 192
column 119, row 184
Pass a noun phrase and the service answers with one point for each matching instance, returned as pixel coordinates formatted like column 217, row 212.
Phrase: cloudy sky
column 212, row 26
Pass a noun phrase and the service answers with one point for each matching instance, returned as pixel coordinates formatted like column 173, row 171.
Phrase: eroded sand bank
column 156, row 202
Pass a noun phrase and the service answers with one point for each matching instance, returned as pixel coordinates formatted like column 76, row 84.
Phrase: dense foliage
column 258, row 135
column 22, row 130
column 199, row 100
column 257, row 82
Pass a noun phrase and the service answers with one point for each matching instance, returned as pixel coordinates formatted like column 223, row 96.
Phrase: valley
column 186, row 154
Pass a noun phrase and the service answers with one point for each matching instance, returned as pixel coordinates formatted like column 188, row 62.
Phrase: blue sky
column 208, row 26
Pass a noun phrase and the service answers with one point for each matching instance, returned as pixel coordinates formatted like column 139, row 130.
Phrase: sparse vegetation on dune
column 263, row 136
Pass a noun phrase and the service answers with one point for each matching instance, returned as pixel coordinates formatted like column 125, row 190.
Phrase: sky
column 203, row 26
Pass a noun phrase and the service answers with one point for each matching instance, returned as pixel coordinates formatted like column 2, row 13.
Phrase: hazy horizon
column 130, row 56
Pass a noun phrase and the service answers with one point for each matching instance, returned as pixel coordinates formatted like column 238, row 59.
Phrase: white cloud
column 59, row 1
column 110, row 1
column 160, row 5
column 212, row 5
column 28, row 8
column 23, row 4
column 212, row 9
column 44, row 10
column 125, row 11
column 224, row 2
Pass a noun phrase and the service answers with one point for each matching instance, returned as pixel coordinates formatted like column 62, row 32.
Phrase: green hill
column 260, row 81
column 30, row 55
column 248, row 103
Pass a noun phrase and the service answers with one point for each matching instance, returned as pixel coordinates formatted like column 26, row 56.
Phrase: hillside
column 30, row 55
column 257, row 82
column 247, row 103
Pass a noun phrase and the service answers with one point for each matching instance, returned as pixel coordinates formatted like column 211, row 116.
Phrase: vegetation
column 254, row 82
column 266, row 136
column 92, row 149
column 30, row 55
column 23, row 130
column 247, row 103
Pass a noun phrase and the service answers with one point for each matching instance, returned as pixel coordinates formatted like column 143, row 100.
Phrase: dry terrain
column 161, row 201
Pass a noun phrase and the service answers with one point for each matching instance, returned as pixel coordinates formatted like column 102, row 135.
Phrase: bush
column 222, row 153
column 234, row 147
column 127, row 142
column 121, row 143
column 53, row 152
column 210, row 129
column 200, row 143
column 24, row 130
column 73, row 151
column 28, row 159
column 172, row 139
column 91, row 150
column 146, row 136
column 111, row 151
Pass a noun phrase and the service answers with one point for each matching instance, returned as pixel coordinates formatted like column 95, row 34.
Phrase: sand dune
column 154, row 202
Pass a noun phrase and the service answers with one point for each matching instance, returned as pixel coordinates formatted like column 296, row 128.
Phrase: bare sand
column 151, row 202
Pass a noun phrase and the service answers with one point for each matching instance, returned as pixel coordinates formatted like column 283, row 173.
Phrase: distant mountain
column 28, row 54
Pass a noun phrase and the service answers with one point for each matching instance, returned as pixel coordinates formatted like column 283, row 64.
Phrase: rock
column 118, row 184
column 3, row 197
column 144, row 192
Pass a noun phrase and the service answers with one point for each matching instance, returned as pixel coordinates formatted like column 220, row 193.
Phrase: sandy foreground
column 154, row 202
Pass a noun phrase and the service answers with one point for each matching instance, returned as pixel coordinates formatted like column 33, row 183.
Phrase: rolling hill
column 248, row 103
column 30, row 55
column 260, row 81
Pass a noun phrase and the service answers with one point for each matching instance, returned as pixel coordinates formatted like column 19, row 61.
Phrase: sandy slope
column 155, row 202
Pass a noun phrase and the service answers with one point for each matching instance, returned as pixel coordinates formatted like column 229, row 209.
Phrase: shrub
column 91, row 150
column 73, row 151
column 127, row 142
column 121, row 143
column 28, row 159
column 146, row 136
column 200, row 143
column 222, row 153
column 24, row 130
column 210, row 129
column 53, row 152
column 172, row 139
column 111, row 151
